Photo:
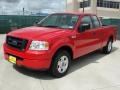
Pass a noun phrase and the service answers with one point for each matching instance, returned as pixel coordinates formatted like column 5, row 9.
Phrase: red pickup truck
column 57, row 40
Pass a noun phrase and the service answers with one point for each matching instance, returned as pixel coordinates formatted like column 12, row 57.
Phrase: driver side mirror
column 83, row 27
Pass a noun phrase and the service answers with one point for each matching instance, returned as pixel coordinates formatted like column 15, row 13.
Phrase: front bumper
column 35, row 60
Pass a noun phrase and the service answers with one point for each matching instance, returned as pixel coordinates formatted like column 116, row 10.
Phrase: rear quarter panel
column 107, row 32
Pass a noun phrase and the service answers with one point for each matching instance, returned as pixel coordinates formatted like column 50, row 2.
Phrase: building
column 103, row 8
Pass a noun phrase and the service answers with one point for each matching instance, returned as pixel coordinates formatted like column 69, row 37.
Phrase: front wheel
column 108, row 48
column 61, row 63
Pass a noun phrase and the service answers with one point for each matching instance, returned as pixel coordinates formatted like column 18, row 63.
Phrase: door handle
column 94, row 33
column 73, row 36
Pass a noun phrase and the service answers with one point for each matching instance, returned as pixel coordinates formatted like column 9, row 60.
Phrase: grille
column 18, row 43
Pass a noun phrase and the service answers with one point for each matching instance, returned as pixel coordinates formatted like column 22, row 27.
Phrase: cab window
column 85, row 24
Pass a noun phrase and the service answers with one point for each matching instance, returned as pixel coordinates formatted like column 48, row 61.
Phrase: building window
column 85, row 3
column 108, row 4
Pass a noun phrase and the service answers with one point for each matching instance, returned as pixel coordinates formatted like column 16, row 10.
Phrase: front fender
column 60, row 43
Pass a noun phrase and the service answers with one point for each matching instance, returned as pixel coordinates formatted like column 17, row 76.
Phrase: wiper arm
column 49, row 26
column 52, row 26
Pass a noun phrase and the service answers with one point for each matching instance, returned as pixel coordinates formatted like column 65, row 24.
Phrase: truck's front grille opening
column 18, row 43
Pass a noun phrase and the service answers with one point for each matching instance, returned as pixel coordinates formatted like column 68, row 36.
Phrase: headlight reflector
column 39, row 45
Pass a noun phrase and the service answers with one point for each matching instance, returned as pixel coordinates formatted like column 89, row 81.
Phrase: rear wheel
column 108, row 48
column 61, row 63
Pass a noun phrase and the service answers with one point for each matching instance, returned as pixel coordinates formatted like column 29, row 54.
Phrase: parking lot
column 95, row 71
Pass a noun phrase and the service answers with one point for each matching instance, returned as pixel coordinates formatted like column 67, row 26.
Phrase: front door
column 85, row 40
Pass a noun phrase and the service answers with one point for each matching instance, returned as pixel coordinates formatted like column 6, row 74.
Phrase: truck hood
column 37, row 33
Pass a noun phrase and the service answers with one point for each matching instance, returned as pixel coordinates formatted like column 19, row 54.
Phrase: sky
column 31, row 6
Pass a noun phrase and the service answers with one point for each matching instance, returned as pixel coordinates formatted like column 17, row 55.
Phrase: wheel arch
column 111, row 38
column 66, row 48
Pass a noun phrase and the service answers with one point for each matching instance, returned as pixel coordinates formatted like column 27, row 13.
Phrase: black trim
column 18, row 43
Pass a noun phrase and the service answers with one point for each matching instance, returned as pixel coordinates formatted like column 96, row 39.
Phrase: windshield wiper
column 52, row 26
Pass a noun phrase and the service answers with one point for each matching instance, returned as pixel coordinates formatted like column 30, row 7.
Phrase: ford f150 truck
column 57, row 40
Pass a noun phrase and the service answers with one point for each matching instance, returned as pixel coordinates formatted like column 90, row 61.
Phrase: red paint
column 80, row 43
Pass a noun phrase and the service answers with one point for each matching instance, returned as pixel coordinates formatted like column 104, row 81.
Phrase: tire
column 61, row 63
column 108, row 48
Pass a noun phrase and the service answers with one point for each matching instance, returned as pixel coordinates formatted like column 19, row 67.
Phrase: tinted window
column 95, row 22
column 87, row 19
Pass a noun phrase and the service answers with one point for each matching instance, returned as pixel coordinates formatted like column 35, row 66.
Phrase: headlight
column 39, row 45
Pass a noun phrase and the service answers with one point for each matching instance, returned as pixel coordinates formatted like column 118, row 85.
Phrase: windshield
column 65, row 21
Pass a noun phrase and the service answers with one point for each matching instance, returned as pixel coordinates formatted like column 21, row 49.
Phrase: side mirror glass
column 83, row 27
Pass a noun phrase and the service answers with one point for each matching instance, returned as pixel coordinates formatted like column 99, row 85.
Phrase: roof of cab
column 75, row 13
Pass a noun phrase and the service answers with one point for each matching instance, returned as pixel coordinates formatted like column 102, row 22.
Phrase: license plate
column 12, row 59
